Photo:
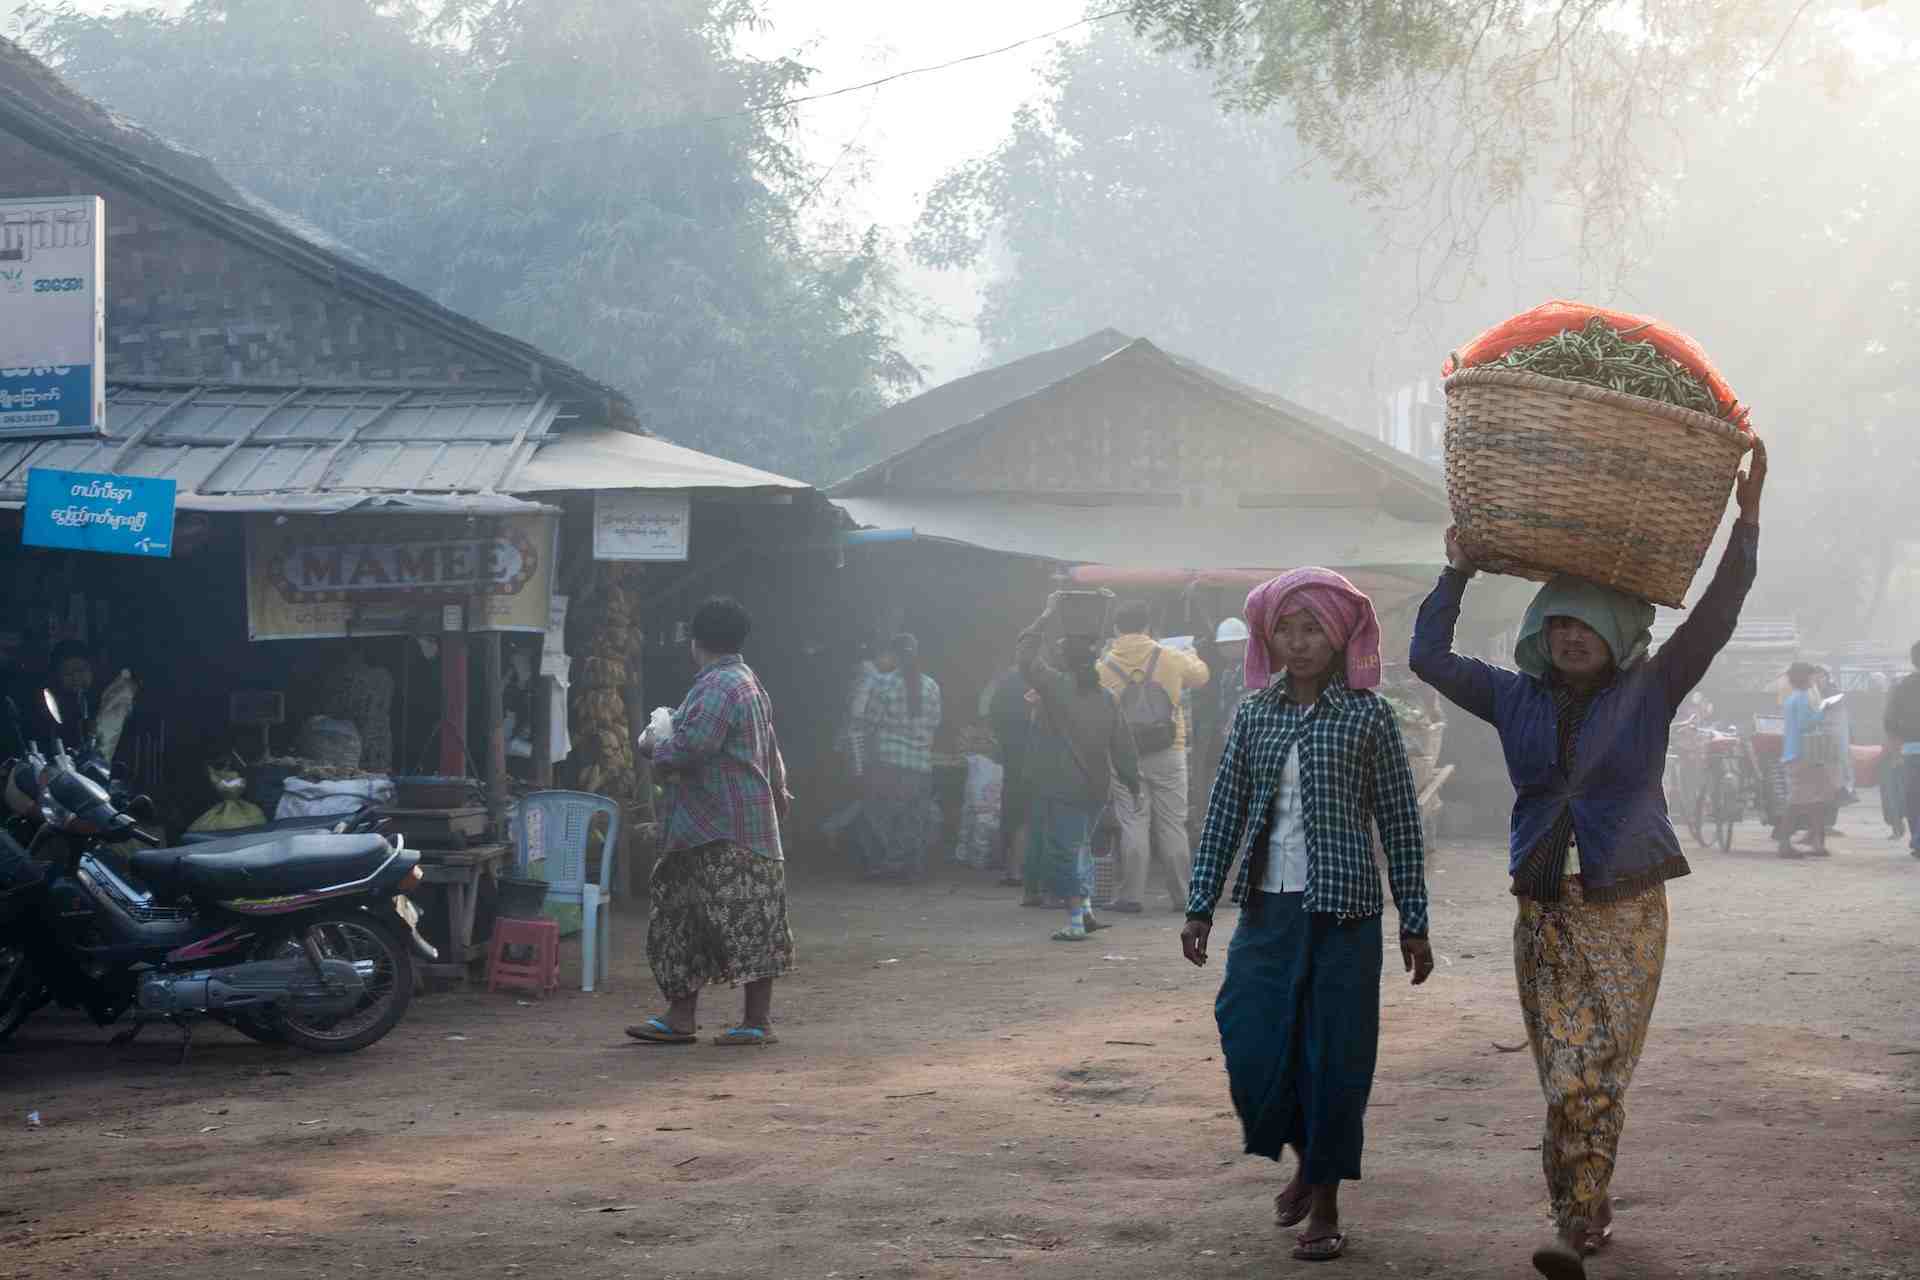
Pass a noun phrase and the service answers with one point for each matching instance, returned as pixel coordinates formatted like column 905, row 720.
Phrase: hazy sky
column 907, row 133
column 914, row 129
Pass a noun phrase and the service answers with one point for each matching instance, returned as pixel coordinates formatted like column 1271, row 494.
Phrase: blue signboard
column 81, row 511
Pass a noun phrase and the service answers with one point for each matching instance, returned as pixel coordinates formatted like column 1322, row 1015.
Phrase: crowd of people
column 1313, row 792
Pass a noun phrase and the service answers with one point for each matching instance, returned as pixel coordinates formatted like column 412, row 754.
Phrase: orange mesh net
column 1550, row 318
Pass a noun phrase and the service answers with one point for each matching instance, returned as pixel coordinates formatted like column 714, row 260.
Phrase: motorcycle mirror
column 52, row 705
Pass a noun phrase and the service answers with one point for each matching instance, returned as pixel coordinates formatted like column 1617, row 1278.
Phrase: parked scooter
column 286, row 936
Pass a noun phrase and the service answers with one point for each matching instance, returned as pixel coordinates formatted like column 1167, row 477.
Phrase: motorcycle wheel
column 19, row 987
column 384, row 963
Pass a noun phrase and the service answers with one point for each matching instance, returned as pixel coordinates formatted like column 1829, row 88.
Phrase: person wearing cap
column 1154, row 827
column 1584, row 726
column 1314, row 764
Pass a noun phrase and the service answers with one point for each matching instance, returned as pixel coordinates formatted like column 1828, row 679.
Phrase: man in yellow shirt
column 1149, row 678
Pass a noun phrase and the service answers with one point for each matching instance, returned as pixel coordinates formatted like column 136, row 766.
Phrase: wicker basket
column 1546, row 477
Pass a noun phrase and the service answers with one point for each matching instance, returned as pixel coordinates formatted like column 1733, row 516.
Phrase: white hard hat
column 1229, row 631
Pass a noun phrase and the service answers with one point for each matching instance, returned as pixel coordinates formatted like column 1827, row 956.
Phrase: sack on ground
column 980, row 813
column 231, row 813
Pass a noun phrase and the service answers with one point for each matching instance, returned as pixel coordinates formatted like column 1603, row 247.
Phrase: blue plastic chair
column 555, row 826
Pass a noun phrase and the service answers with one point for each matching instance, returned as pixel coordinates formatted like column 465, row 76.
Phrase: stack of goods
column 602, row 743
column 363, row 694
column 1593, row 443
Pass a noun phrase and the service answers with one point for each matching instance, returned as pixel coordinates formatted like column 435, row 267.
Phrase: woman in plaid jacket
column 1312, row 765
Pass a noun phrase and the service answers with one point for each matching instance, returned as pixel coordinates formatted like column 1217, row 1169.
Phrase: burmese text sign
column 84, row 511
column 52, row 317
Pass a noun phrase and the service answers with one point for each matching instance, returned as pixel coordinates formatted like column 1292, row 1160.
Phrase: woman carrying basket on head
column 1584, row 727
column 1311, row 765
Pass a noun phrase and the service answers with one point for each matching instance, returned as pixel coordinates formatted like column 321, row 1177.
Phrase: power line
column 800, row 100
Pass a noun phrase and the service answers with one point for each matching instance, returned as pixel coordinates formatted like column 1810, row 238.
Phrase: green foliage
column 1126, row 196
column 1460, row 108
column 608, row 179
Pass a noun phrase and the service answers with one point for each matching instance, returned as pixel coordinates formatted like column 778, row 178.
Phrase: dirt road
column 957, row 1096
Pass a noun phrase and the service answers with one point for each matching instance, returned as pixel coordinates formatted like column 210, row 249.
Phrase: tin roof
column 319, row 448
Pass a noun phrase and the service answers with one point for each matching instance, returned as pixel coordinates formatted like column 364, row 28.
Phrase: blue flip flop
column 746, row 1035
column 656, row 1031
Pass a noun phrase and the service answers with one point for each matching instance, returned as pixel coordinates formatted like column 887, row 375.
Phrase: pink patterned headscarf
column 1342, row 610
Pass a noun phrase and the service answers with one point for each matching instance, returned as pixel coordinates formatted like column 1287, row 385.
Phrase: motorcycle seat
column 263, row 865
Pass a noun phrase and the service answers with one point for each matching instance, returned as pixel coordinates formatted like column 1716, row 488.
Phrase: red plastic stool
column 538, row 974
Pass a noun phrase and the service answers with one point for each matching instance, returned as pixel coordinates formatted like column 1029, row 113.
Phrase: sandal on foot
column 1291, row 1213
column 1594, row 1241
column 1069, row 935
column 1319, row 1248
column 746, row 1035
column 658, row 1031
column 1095, row 926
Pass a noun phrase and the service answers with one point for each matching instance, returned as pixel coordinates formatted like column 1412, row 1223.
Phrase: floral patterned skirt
column 1589, row 974
column 718, row 913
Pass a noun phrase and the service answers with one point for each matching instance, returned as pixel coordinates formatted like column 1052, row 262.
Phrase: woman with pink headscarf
column 1313, row 763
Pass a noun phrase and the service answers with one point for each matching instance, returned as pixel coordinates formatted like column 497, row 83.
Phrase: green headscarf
column 1625, row 622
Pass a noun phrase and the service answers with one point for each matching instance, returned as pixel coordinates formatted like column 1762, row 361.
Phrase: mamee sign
column 53, row 370
column 346, row 575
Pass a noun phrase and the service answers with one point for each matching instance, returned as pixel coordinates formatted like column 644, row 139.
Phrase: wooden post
column 493, row 703
column 542, row 731
column 453, row 692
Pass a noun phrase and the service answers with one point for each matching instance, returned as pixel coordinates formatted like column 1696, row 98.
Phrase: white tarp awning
column 600, row 459
column 1173, row 538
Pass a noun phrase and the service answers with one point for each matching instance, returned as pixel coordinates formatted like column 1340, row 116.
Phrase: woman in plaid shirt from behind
column 1311, row 765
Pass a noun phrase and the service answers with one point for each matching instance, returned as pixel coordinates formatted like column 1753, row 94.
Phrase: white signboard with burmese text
column 53, row 316
column 642, row 525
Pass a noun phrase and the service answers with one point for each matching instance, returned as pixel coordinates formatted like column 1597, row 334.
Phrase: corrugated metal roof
column 254, row 447
column 320, row 448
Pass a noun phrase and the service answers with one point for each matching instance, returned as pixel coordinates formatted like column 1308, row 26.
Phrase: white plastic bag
column 307, row 799
column 980, row 813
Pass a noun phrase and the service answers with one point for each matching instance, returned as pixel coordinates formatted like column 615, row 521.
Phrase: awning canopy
column 320, row 449
column 1175, row 538
column 600, row 459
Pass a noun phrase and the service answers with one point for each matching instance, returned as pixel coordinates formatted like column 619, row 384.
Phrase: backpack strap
column 1153, row 662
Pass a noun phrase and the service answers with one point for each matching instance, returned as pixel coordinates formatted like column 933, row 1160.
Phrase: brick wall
column 183, row 301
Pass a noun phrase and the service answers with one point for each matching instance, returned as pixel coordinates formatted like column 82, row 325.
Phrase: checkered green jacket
column 1353, row 774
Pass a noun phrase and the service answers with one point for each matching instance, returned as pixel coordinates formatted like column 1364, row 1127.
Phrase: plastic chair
column 555, row 826
column 540, row 973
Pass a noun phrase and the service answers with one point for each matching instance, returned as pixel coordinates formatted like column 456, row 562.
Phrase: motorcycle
column 296, row 936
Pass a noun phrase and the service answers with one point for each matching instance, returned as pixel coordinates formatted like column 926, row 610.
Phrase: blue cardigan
column 1626, row 841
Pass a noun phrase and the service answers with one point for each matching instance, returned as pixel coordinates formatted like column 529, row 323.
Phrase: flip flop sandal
column 1068, row 935
column 1095, row 926
column 745, row 1036
column 1595, row 1241
column 1329, row 1248
column 1292, row 1214
column 656, row 1031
